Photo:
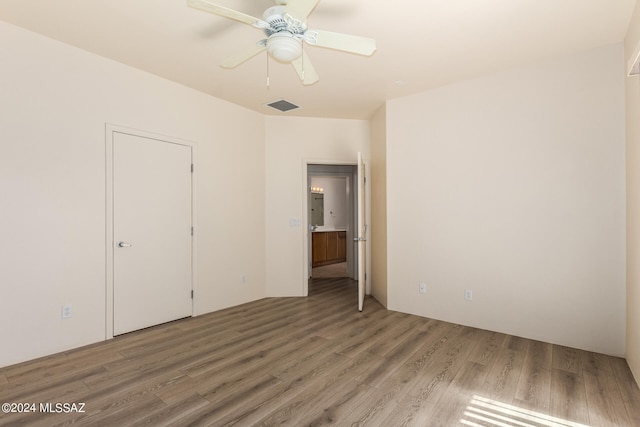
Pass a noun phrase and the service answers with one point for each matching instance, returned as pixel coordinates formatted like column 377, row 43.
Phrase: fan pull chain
column 302, row 62
column 268, row 82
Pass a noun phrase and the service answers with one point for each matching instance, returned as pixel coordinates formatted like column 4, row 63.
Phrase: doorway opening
column 332, row 220
column 329, row 223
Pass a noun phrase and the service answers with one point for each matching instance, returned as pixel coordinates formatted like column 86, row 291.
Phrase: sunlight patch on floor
column 494, row 413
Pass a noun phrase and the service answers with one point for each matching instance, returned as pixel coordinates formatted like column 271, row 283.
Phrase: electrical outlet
column 422, row 287
column 468, row 294
column 66, row 311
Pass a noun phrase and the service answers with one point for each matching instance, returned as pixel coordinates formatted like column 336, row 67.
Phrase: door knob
column 124, row 245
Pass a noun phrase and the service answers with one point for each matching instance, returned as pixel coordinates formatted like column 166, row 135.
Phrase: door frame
column 306, row 241
column 110, row 130
column 352, row 207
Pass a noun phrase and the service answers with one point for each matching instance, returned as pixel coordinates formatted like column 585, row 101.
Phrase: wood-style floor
column 338, row 270
column 317, row 361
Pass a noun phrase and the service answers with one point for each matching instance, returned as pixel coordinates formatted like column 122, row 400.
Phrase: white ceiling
column 421, row 44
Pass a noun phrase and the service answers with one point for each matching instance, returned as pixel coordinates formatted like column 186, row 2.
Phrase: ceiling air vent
column 283, row 105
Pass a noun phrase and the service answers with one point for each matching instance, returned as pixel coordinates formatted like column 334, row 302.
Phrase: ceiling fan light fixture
column 284, row 47
column 285, row 28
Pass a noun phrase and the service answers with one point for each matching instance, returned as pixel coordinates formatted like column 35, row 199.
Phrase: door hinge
column 191, row 293
column 192, row 231
column 191, row 167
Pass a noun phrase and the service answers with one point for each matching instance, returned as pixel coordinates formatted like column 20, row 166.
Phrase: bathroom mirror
column 317, row 209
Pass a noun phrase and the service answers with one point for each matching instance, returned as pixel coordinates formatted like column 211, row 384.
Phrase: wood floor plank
column 487, row 350
column 208, row 365
column 238, row 369
column 405, row 331
column 402, row 362
column 319, row 361
column 534, row 385
column 329, row 318
column 53, row 388
column 604, row 398
column 175, row 391
column 459, row 396
column 299, row 388
column 568, row 397
column 173, row 414
column 423, row 397
column 306, row 359
column 125, row 412
column 331, row 410
column 516, row 343
column 354, row 324
column 183, row 351
column 504, row 374
column 394, row 389
column 32, row 368
column 628, row 387
column 331, row 391
column 255, row 389
column 196, row 337
column 61, row 365
column 367, row 332
column 566, row 358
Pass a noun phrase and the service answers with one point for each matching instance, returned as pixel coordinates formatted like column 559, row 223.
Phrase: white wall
column 378, row 229
column 513, row 186
column 289, row 142
column 54, row 103
column 633, row 201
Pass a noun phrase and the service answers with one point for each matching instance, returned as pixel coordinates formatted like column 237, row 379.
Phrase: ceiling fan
column 284, row 26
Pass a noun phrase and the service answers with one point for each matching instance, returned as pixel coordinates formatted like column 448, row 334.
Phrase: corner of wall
column 379, row 205
column 632, row 94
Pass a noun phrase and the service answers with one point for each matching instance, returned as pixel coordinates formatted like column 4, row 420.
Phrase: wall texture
column 513, row 186
column 378, row 233
column 633, row 201
column 55, row 102
column 289, row 142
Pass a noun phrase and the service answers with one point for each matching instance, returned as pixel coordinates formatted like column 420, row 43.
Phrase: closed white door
column 152, row 220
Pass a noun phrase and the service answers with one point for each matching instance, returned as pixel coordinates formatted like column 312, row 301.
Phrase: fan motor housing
column 274, row 16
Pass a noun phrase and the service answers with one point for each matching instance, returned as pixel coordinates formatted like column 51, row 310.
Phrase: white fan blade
column 345, row 42
column 300, row 9
column 207, row 6
column 305, row 70
column 244, row 55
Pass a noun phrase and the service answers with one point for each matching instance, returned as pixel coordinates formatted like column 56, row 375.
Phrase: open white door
column 361, row 237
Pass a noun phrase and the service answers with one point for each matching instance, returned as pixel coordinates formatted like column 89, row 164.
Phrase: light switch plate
column 294, row 222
